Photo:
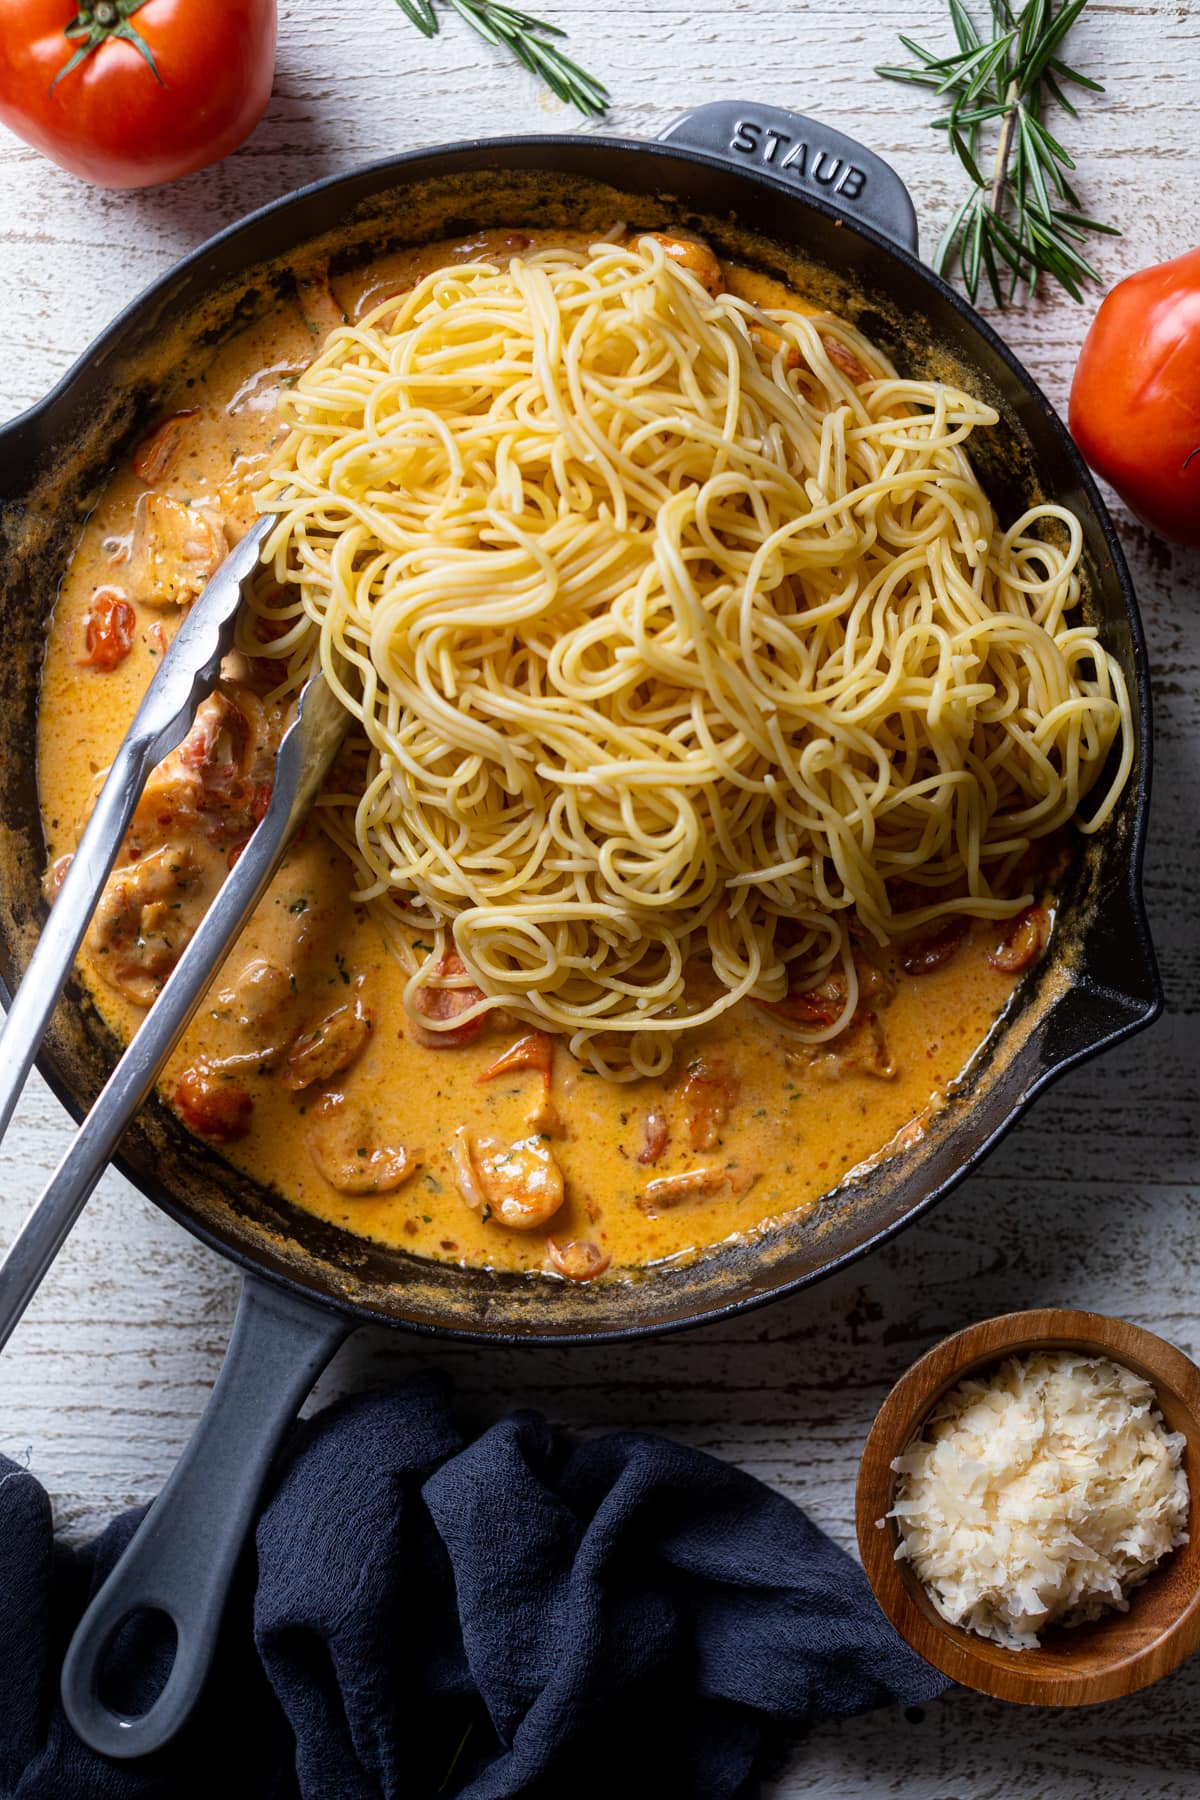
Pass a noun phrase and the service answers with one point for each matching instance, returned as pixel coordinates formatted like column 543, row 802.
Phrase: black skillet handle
column 182, row 1558
column 800, row 152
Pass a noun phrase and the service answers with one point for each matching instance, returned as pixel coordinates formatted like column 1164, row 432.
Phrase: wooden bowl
column 1075, row 1666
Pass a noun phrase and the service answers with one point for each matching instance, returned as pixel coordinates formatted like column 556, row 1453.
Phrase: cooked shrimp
column 844, row 359
column 213, row 1105
column 340, row 1144
column 260, row 994
column 818, row 1005
column 865, row 1048
column 267, row 986
column 219, row 777
column 693, row 1184
column 696, row 258
column 708, row 1094
column 158, row 452
column 578, row 1259
column 519, row 1185
column 176, row 551
column 874, row 983
column 535, row 1051
column 147, row 915
column 1023, row 940
column 238, row 512
column 170, row 801
column 329, row 1048
column 916, row 1129
column 655, row 1136
column 773, row 342
column 256, row 674
column 223, row 734
column 302, row 930
column 54, row 877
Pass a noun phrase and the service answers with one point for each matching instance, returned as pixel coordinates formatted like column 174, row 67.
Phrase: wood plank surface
column 1093, row 1202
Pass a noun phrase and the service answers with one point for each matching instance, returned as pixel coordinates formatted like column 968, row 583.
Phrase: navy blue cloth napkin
column 423, row 1616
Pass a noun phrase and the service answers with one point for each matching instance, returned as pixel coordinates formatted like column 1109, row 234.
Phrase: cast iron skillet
column 774, row 190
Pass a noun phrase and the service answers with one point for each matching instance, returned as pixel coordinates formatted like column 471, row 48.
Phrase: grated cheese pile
column 1040, row 1495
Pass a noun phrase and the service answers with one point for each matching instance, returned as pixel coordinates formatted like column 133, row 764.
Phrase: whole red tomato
column 1135, row 400
column 131, row 92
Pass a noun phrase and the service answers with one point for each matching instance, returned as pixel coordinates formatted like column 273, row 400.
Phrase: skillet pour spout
column 774, row 191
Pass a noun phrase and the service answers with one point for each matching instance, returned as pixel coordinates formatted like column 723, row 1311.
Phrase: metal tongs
column 185, row 676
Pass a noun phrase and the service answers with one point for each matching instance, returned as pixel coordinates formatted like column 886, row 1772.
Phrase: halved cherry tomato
column 128, row 93
column 1135, row 399
column 108, row 632
column 577, row 1259
column 438, row 1003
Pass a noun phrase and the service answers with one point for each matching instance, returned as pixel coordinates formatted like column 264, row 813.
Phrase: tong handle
column 185, row 675
column 305, row 753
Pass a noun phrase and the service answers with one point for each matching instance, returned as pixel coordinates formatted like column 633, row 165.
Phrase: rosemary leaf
column 964, row 26
column 949, row 237
column 1051, row 39
column 1032, row 26
column 533, row 42
column 1044, row 229
column 422, row 15
column 966, row 69
column 1029, row 157
column 1073, row 75
column 966, row 159
column 1085, row 224
column 526, row 21
column 979, row 115
column 1055, row 91
column 993, row 273
column 925, row 56
column 997, row 63
column 1048, row 143
column 974, row 253
column 918, row 77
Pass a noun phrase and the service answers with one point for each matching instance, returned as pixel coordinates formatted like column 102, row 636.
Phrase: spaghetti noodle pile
column 682, row 636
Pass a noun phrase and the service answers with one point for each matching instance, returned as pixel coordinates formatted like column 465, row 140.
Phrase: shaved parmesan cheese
column 1040, row 1496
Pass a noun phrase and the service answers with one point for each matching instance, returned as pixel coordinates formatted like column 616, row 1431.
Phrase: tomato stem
column 95, row 24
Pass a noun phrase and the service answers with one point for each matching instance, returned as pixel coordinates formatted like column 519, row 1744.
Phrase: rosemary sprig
column 1024, row 214
column 530, row 40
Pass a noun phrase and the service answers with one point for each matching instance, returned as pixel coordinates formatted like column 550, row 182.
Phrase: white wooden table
column 1094, row 1201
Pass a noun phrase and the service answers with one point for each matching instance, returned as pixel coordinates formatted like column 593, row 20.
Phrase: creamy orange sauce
column 758, row 1124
